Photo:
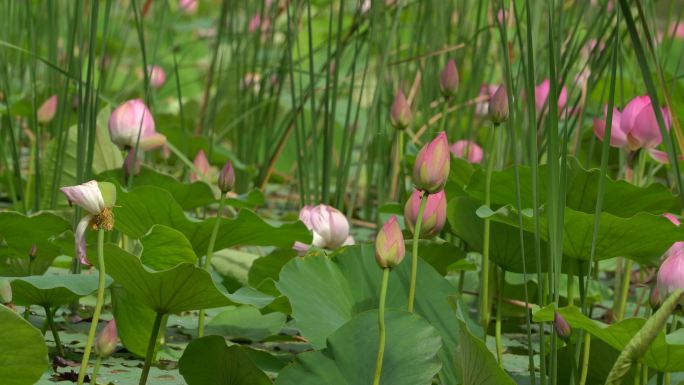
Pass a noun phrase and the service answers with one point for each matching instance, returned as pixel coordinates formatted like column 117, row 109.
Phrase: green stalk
column 55, row 334
column 151, row 346
column 484, row 283
column 414, row 253
column 98, row 305
column 93, row 378
column 624, row 289
column 381, row 326
column 585, row 358
column 499, row 301
column 210, row 253
column 573, row 365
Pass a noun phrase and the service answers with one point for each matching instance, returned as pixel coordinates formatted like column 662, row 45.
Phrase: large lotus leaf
column 459, row 175
column 246, row 322
column 164, row 248
column 134, row 320
column 349, row 358
column 143, row 207
column 643, row 237
column 53, row 290
column 20, row 233
column 621, row 199
column 184, row 287
column 23, row 353
column 661, row 355
column 325, row 293
column 477, row 364
column 208, row 361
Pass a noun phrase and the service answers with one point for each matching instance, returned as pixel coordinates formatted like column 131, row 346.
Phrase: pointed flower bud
column 400, row 115
column 329, row 226
column 133, row 119
column 431, row 169
column 498, row 106
column 468, row 150
column 448, row 81
column 157, row 76
column 563, row 329
column 97, row 199
column 226, row 179
column 434, row 215
column 46, row 112
column 389, row 244
column 202, row 167
column 106, row 341
column 5, row 291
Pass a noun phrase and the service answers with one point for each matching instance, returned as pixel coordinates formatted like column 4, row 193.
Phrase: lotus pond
column 341, row 192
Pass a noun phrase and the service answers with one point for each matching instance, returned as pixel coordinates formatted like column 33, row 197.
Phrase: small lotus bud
column 468, row 150
column 431, row 169
column 132, row 124
column 389, row 244
column 448, row 84
column 46, row 112
column 654, row 299
column 498, row 106
column 434, row 215
column 157, row 76
column 226, row 179
column 400, row 114
column 107, row 340
column 202, row 166
column 563, row 329
column 5, row 291
column 132, row 163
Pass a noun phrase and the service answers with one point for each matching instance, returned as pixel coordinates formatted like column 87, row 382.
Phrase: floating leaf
column 246, row 322
column 23, row 353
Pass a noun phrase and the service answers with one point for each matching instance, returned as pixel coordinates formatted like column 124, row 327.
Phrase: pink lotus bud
column 639, row 123
column 157, row 76
column 188, row 7
column 202, row 166
column 132, row 163
column 106, row 341
column 226, row 179
column 431, row 169
column 498, row 106
column 563, row 329
column 5, row 291
column 468, row 150
column 541, row 94
column 618, row 138
column 133, row 119
column 389, row 244
column 486, row 93
column 254, row 23
column 329, row 226
column 434, row 215
column 448, row 84
column 671, row 271
column 46, row 112
column 400, row 114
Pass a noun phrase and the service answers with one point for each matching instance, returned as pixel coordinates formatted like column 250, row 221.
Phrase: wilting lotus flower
column 329, row 226
column 46, row 112
column 5, row 291
column 638, row 122
column 468, row 150
column 618, row 138
column 202, row 166
column 133, row 119
column 563, row 329
column 434, row 215
column 97, row 199
column 106, row 341
column 541, row 93
column 486, row 93
column 188, row 6
column 400, row 114
column 157, row 76
column 431, row 169
column 448, row 81
column 498, row 106
column 226, row 178
column 389, row 244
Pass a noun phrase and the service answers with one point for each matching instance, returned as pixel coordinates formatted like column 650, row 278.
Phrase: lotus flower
column 498, row 106
column 638, row 122
column 329, row 226
column 389, row 244
column 468, row 150
column 106, row 341
column 431, row 169
column 131, row 120
column 618, row 138
column 676, row 30
column 226, row 178
column 97, row 199
column 671, row 271
column 400, row 114
column 448, row 81
column 434, row 215
column 188, row 6
column 202, row 167
column 46, row 112
column 541, row 94
column 157, row 76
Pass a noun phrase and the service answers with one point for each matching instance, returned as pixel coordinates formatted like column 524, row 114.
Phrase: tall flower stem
column 93, row 379
column 98, row 306
column 210, row 253
column 53, row 328
column 484, row 290
column 381, row 326
column 499, row 302
column 151, row 347
column 414, row 252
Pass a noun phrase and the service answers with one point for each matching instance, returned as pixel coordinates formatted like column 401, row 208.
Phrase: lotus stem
column 151, row 347
column 585, row 358
column 414, row 253
column 93, row 379
column 98, row 306
column 210, row 253
column 53, row 328
column 624, row 289
column 381, row 326
column 484, row 290
column 499, row 302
